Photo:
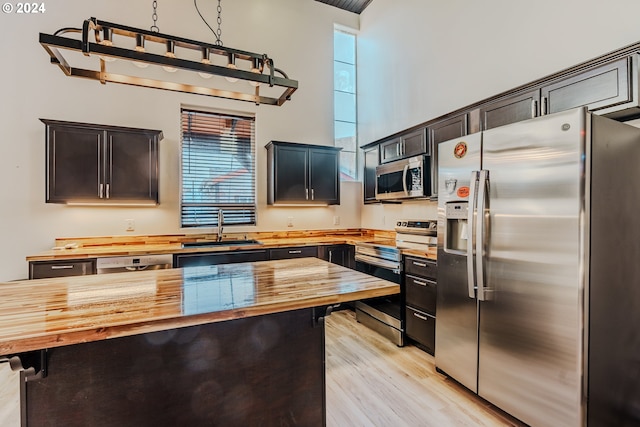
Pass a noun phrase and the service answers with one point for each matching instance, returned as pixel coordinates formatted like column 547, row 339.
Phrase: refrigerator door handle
column 471, row 233
column 481, row 232
column 404, row 179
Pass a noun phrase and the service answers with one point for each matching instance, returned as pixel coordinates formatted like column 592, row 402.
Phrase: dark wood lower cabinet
column 420, row 299
column 257, row 371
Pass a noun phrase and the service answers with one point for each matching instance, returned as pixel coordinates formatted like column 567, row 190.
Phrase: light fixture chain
column 219, row 35
column 154, row 16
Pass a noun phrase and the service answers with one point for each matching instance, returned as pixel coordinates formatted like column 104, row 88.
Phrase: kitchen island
column 236, row 344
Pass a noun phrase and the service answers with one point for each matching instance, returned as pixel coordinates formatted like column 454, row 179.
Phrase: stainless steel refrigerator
column 539, row 268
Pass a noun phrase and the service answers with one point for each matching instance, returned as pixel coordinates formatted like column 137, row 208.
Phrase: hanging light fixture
column 96, row 38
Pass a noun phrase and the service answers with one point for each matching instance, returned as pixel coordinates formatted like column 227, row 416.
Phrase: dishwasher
column 120, row 264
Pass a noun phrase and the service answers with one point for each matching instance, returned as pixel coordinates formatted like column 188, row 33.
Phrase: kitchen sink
column 214, row 243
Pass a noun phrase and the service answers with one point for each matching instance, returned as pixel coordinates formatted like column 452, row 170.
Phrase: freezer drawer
column 421, row 327
column 421, row 293
column 420, row 267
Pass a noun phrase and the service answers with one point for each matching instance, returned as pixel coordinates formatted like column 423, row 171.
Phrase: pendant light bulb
column 231, row 65
column 207, row 61
column 170, row 54
column 255, row 68
column 106, row 41
column 140, row 48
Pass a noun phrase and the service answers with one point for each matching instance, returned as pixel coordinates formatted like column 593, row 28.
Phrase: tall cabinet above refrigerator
column 538, row 245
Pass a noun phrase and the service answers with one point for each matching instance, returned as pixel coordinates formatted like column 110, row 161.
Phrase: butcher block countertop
column 94, row 247
column 46, row 313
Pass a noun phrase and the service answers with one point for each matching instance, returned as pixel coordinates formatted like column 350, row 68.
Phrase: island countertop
column 47, row 313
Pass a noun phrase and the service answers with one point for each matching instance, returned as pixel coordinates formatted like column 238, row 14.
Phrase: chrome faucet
column 220, row 224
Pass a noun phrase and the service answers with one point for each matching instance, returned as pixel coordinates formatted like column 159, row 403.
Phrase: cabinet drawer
column 420, row 267
column 193, row 260
column 421, row 328
column 295, row 252
column 42, row 270
column 421, row 293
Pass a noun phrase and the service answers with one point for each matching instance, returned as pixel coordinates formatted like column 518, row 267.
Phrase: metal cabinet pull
column 295, row 252
column 100, row 189
column 313, row 194
column 420, row 316
column 107, row 186
column 419, row 264
column 330, row 255
column 419, row 282
column 534, row 108
column 543, row 106
column 62, row 267
column 306, row 194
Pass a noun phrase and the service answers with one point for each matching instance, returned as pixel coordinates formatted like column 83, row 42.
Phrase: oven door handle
column 389, row 265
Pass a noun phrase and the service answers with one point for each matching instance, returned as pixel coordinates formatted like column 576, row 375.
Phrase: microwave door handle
column 471, row 228
column 482, row 235
column 404, row 179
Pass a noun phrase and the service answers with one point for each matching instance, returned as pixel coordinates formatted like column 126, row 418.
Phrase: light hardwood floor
column 372, row 382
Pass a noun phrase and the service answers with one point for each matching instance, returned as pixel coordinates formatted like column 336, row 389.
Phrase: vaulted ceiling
column 355, row 6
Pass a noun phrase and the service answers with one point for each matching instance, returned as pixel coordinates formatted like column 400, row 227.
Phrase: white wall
column 297, row 34
column 420, row 59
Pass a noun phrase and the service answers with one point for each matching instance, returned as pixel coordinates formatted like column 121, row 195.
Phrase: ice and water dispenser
column 456, row 215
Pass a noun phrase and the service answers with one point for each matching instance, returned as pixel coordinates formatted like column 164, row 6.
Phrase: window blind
column 217, row 169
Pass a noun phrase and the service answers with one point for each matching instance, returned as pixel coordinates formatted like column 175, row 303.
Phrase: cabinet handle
column 330, row 254
column 420, row 316
column 100, row 189
column 313, row 194
column 107, row 186
column 295, row 252
column 419, row 264
column 419, row 282
column 62, row 267
column 534, row 108
column 403, row 149
column 543, row 106
column 306, row 194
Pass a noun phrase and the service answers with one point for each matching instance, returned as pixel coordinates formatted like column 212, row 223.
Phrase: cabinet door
column 290, row 174
column 445, row 130
column 324, row 182
column 371, row 160
column 510, row 110
column 62, row 268
column 596, row 88
column 414, row 143
column 390, row 150
column 208, row 258
column 343, row 255
column 74, row 156
column 132, row 166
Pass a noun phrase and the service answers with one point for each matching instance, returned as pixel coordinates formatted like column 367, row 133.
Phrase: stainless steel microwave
column 404, row 179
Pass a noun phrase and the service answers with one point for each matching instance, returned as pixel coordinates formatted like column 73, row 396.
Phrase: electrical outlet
column 290, row 221
column 130, row 224
column 336, row 220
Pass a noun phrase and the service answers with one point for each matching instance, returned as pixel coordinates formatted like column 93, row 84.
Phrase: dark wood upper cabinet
column 510, row 109
column 596, row 88
column 445, row 130
column 302, row 174
column 371, row 160
column 89, row 163
column 410, row 144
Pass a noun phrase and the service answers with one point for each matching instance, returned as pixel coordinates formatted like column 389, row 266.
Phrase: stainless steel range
column 383, row 259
